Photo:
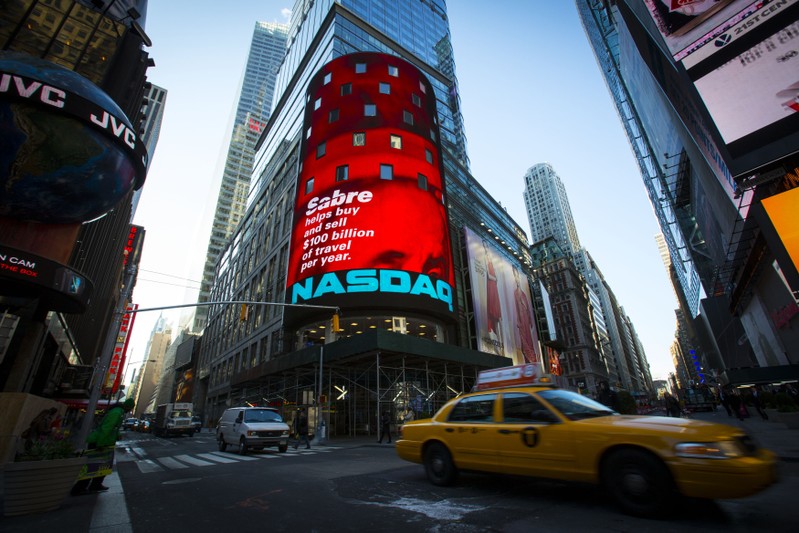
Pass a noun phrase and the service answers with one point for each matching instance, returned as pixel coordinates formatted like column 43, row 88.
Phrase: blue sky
column 531, row 92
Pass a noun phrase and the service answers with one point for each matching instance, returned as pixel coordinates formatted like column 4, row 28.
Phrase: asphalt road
column 186, row 484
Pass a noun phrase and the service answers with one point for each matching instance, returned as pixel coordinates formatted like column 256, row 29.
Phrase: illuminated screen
column 755, row 89
column 781, row 229
column 370, row 225
column 503, row 312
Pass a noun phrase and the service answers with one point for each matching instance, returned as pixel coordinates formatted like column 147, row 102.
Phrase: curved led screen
column 370, row 225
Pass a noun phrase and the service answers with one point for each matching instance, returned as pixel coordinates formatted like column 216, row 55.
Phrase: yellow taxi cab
column 519, row 423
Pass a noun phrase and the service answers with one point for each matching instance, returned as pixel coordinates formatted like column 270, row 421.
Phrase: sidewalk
column 774, row 436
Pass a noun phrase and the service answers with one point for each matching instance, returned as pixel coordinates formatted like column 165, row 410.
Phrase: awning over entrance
column 760, row 375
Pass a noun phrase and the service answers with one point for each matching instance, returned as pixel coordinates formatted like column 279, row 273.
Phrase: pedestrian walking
column 724, row 400
column 672, row 405
column 758, row 403
column 301, row 429
column 737, row 404
column 385, row 427
column 103, row 439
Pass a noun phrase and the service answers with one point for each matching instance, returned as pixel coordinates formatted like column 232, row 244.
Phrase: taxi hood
column 662, row 424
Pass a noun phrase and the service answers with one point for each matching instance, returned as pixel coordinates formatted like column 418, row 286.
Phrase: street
column 186, row 484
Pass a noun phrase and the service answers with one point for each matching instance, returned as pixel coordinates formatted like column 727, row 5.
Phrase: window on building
column 407, row 117
column 428, row 155
column 393, row 71
column 309, row 186
column 360, row 68
column 396, row 142
column 321, row 149
column 328, row 77
column 416, row 100
column 386, row 172
column 317, row 104
column 308, row 133
column 385, row 88
column 422, row 88
column 370, row 110
column 432, row 135
column 346, row 88
column 332, row 116
column 342, row 173
column 359, row 138
column 422, row 179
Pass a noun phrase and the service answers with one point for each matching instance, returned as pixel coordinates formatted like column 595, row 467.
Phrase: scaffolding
column 355, row 390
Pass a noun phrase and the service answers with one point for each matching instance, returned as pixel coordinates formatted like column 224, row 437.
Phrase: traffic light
column 244, row 313
column 336, row 327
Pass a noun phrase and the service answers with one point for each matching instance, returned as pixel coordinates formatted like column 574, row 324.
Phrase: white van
column 252, row 427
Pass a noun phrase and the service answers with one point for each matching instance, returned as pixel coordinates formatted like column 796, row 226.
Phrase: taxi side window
column 525, row 409
column 474, row 409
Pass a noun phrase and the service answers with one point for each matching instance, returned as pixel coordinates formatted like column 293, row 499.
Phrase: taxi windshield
column 575, row 406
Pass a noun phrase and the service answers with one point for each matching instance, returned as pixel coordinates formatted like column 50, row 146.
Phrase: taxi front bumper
column 725, row 478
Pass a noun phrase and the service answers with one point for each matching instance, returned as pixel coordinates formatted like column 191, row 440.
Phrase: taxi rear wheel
column 438, row 465
column 639, row 482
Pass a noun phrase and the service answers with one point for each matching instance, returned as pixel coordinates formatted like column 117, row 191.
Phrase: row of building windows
column 360, row 68
column 386, row 173
column 359, row 139
column 382, row 87
column 370, row 110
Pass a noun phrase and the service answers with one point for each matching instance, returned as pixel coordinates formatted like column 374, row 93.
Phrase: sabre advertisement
column 370, row 225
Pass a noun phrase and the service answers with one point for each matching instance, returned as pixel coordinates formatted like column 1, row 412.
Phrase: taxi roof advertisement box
column 369, row 215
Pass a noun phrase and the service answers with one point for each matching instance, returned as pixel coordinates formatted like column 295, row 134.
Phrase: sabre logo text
column 372, row 280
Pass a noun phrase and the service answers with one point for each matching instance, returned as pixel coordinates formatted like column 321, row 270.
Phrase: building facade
column 716, row 189
column 389, row 354
column 90, row 59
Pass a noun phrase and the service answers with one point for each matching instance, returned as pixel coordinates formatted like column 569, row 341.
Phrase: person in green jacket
column 105, row 435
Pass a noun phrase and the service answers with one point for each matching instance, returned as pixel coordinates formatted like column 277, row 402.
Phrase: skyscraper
column 252, row 113
column 548, row 211
column 613, row 341
column 316, row 126
column 712, row 173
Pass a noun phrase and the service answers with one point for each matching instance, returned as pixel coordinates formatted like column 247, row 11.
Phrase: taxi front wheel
column 438, row 465
column 639, row 482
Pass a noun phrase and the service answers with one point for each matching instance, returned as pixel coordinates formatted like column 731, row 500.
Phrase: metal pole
column 320, row 422
column 105, row 358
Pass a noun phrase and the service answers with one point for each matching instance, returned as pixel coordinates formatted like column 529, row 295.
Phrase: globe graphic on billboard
column 63, row 157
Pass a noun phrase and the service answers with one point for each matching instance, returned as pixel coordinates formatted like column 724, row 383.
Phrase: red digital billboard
column 370, row 224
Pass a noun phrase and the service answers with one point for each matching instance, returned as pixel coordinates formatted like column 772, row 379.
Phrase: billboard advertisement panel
column 503, row 311
column 370, row 226
column 779, row 223
column 739, row 59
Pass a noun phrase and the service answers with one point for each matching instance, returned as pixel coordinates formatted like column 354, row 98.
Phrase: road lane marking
column 217, row 458
column 146, row 466
column 170, row 463
column 191, row 460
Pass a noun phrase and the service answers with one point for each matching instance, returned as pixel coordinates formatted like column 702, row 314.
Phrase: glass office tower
column 251, row 355
column 252, row 112
column 708, row 190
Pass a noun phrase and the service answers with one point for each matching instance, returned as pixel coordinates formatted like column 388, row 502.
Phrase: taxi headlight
column 709, row 450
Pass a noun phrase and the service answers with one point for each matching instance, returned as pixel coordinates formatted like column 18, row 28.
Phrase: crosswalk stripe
column 191, row 460
column 171, row 463
column 217, row 458
column 229, row 455
column 147, row 466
